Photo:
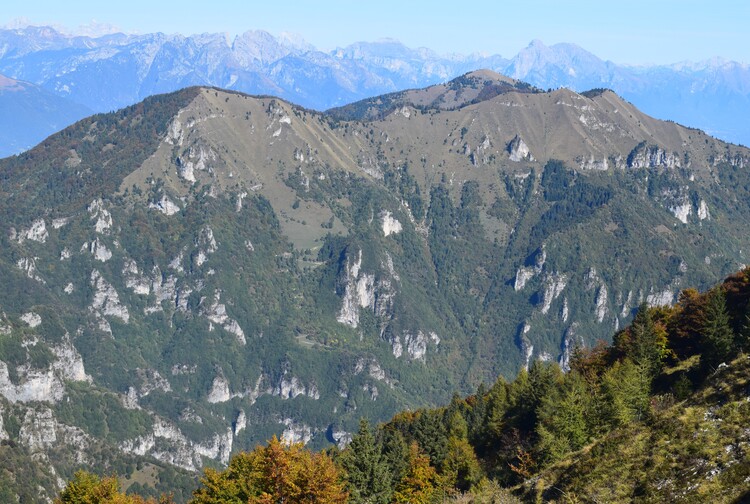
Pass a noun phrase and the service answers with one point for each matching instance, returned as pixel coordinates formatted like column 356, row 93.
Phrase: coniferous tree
column 497, row 405
column 625, row 392
column 643, row 342
column 742, row 340
column 395, row 453
column 460, row 467
column 563, row 424
column 367, row 472
column 477, row 414
column 718, row 337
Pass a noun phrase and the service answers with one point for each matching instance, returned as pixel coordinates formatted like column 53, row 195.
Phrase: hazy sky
column 634, row 31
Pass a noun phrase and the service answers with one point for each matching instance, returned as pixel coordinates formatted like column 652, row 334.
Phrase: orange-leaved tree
column 275, row 473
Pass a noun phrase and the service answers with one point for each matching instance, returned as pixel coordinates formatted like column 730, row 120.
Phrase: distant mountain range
column 112, row 71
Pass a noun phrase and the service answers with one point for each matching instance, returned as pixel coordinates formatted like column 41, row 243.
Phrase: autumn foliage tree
column 87, row 488
column 275, row 473
column 420, row 482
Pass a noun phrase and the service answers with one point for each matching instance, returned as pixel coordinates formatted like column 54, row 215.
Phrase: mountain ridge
column 259, row 268
column 258, row 63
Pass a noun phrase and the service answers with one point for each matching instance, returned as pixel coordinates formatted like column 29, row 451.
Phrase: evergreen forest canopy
column 659, row 415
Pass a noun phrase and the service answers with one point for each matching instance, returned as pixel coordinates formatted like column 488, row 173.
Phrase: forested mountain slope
column 190, row 275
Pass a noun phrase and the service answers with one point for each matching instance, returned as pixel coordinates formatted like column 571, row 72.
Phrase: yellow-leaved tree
column 275, row 473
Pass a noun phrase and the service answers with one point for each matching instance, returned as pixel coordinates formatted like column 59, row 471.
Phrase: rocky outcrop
column 662, row 298
column 240, row 423
column 601, row 303
column 358, row 292
column 28, row 266
column 219, row 391
column 554, row 285
column 390, row 224
column 98, row 250
column 34, row 385
column 69, row 363
column 102, row 216
column 216, row 313
column 703, row 212
column 31, row 319
column 527, row 272
column 135, row 279
column 570, row 341
column 36, row 232
column 652, row 156
column 168, row 444
column 165, row 206
column 106, row 302
column 296, row 432
column 518, row 150
column 524, row 343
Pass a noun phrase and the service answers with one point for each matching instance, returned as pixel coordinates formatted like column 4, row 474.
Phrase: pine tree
column 643, row 342
column 368, row 474
column 718, row 337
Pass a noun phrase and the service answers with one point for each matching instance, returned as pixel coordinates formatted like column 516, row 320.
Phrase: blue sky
column 632, row 32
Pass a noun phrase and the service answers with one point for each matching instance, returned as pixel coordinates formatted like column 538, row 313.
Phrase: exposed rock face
column 291, row 387
column 34, row 385
column 43, row 385
column 518, row 150
column 37, row 232
column 216, row 312
column 296, row 432
column 165, row 206
column 524, row 343
column 570, row 341
column 168, row 444
column 134, row 278
column 358, row 292
column 652, row 156
column 554, row 286
column 32, row 319
column 594, row 164
column 601, row 303
column 69, row 363
column 390, row 224
column 526, row 273
column 101, row 215
column 703, row 213
column 663, row 298
column 219, row 391
column 342, row 438
column 39, row 430
column 523, row 275
column 240, row 422
column 99, row 251
column 106, row 302
column 3, row 435
column 28, row 266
